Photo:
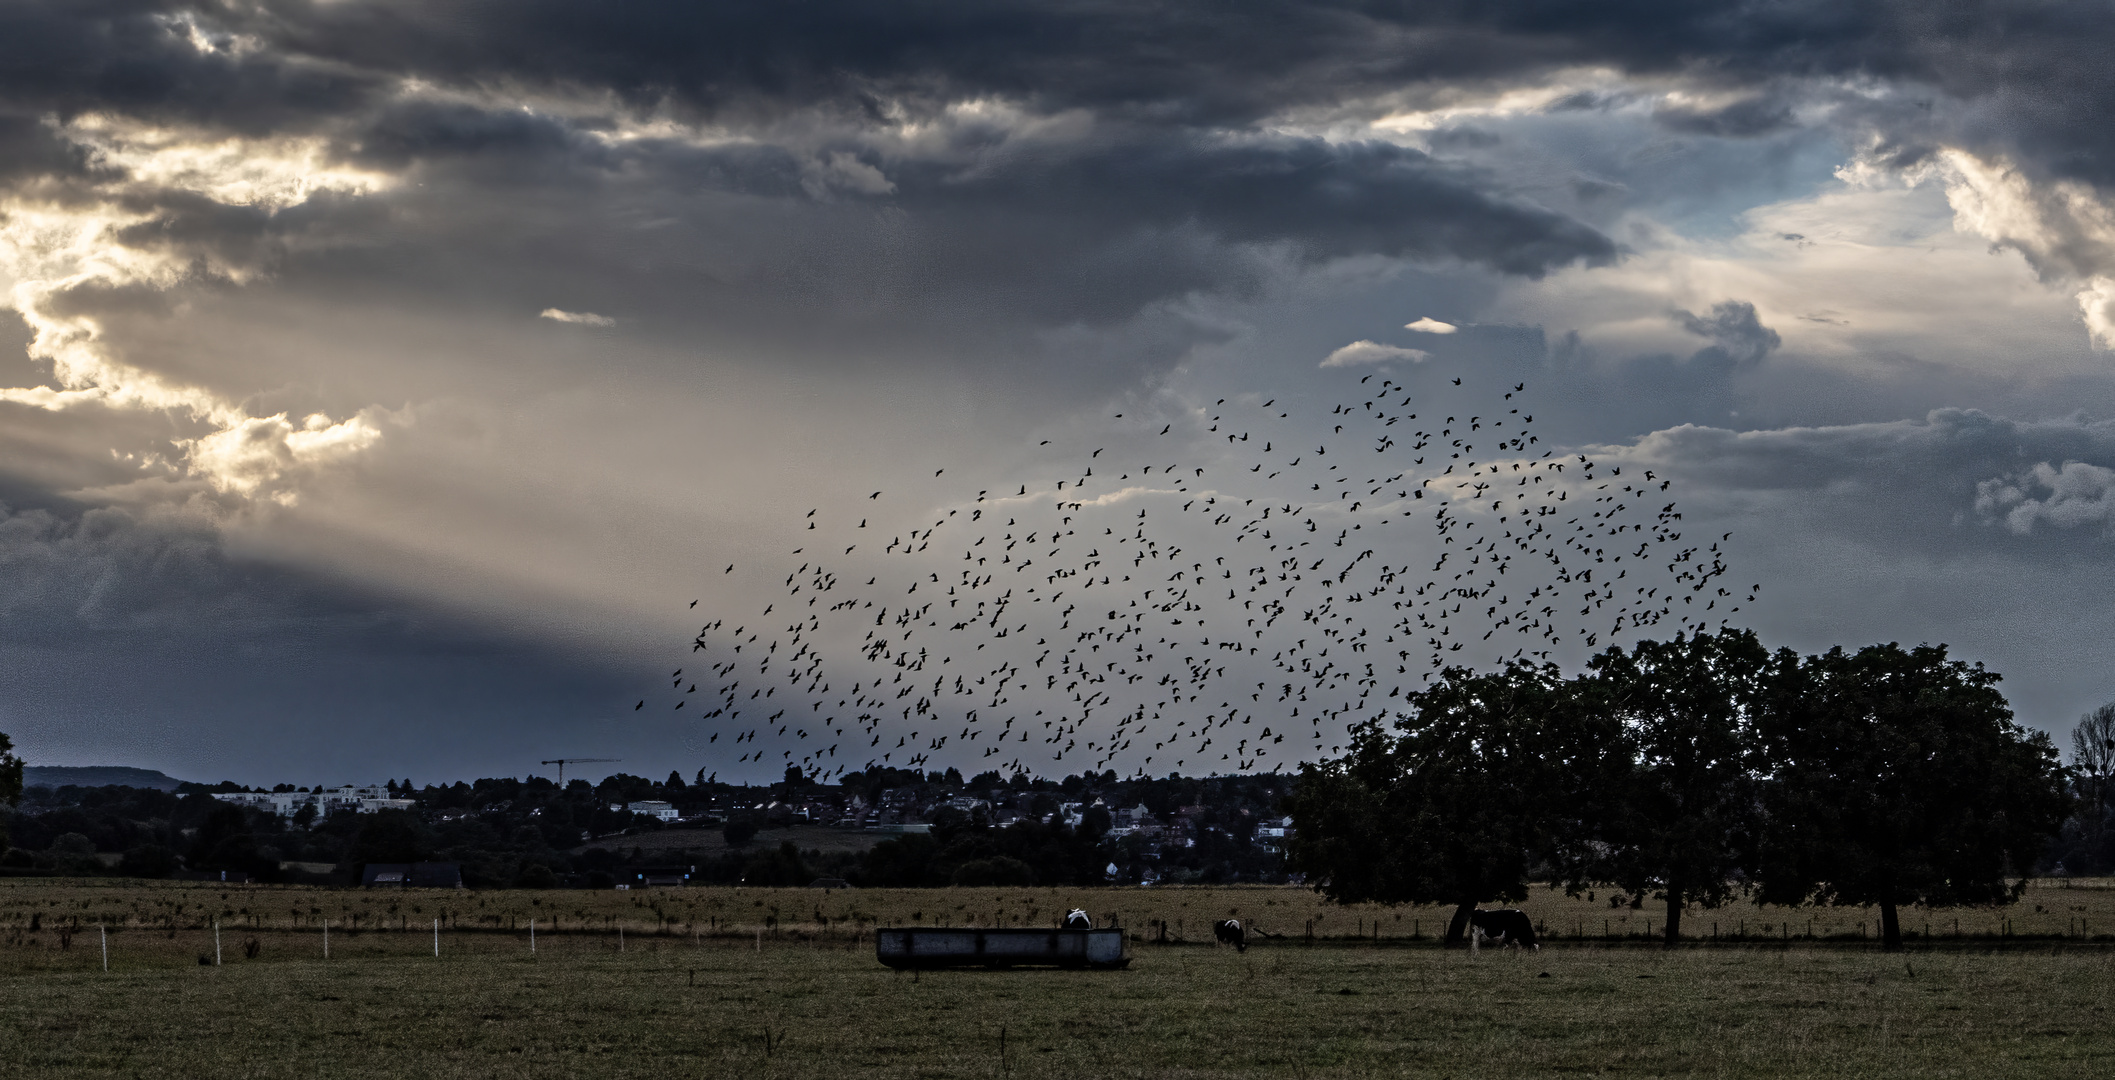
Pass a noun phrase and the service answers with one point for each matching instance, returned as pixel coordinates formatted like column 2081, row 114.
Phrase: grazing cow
column 1076, row 919
column 1229, row 932
column 1504, row 926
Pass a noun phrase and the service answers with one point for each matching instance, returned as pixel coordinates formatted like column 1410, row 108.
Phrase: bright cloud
column 2064, row 228
column 1373, row 352
column 52, row 249
column 577, row 318
column 1430, row 325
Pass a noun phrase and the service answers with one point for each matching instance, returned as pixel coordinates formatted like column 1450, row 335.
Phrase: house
column 1137, row 819
column 1271, row 833
column 424, row 875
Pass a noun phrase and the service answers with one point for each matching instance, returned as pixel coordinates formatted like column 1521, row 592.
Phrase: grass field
column 141, row 912
column 721, row 993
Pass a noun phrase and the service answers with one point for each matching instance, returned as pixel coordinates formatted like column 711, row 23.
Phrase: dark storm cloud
column 70, row 573
column 29, row 148
column 138, row 57
column 1130, row 215
column 1331, row 199
column 1183, row 62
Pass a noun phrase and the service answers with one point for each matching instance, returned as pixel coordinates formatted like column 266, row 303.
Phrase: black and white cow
column 1504, row 926
column 1229, row 932
column 1077, row 919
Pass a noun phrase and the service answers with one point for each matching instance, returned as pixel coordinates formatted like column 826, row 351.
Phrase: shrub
column 997, row 870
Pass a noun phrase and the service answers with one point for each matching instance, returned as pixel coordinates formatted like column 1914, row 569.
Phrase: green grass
column 675, row 1005
column 672, row 1009
column 2051, row 911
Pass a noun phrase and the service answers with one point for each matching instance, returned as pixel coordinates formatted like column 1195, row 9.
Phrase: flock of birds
column 1081, row 619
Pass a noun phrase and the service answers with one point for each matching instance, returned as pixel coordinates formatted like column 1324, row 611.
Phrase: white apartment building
column 359, row 798
column 653, row 808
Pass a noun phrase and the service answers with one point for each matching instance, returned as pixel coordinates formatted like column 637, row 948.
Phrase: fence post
column 532, row 937
column 436, row 939
column 105, row 931
column 216, row 943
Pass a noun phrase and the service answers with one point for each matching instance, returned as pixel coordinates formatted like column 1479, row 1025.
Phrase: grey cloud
column 1328, row 200
column 1956, row 480
column 432, row 699
column 1738, row 338
column 138, row 634
column 104, row 570
column 29, row 148
column 1745, row 118
column 2066, row 496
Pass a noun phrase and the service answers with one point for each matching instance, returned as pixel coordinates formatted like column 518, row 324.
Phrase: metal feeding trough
column 938, row 947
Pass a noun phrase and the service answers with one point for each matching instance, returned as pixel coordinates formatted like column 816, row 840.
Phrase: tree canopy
column 1682, row 821
column 1477, row 783
column 1695, row 770
column 1899, row 777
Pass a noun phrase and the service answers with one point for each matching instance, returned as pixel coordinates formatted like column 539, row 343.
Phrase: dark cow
column 1077, row 919
column 1229, row 932
column 1504, row 926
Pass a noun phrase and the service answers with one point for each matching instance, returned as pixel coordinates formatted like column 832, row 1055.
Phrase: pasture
column 783, row 983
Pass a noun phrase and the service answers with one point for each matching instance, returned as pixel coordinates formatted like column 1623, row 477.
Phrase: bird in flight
column 1235, row 598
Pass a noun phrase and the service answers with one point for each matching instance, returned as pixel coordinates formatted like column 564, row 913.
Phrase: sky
column 382, row 381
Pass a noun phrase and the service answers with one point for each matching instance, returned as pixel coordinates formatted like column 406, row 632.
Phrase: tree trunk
column 1890, row 927
column 1460, row 922
column 1674, row 914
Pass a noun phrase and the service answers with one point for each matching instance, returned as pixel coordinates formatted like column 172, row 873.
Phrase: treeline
column 1692, row 771
column 506, row 832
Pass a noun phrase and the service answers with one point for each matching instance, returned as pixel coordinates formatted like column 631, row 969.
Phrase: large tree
column 1898, row 777
column 1472, row 786
column 2093, row 779
column 1681, row 821
column 10, row 782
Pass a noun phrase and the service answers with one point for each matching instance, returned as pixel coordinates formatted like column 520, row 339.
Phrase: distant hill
column 54, row 776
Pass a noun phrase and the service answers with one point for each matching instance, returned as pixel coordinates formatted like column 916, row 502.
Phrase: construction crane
column 562, row 762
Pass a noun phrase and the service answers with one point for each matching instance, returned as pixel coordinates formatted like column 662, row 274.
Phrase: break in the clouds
column 332, row 324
